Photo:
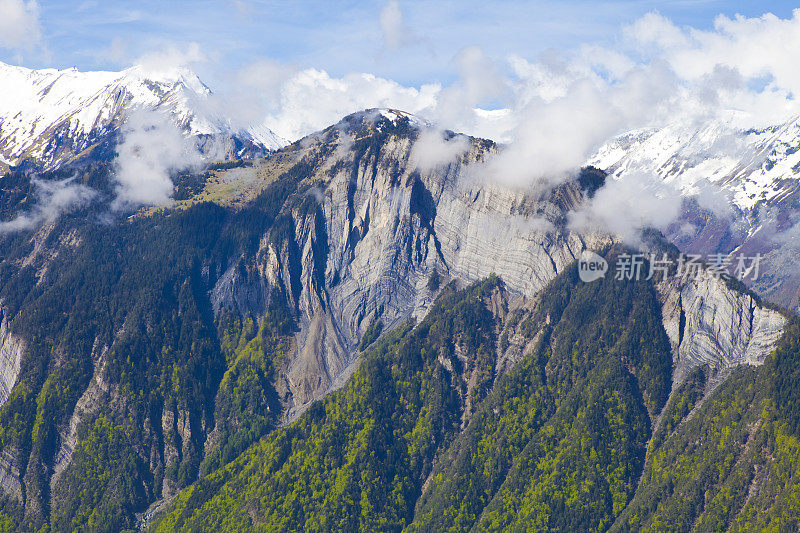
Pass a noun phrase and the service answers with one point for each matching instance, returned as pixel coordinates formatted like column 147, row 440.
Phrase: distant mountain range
column 751, row 178
column 754, row 167
column 49, row 118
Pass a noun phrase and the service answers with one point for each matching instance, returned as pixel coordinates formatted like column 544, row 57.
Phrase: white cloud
column 712, row 198
column 171, row 58
column 152, row 148
column 562, row 113
column 19, row 24
column 53, row 198
column 657, row 30
column 311, row 100
column 624, row 207
column 434, row 148
column 255, row 92
column 758, row 48
column 392, row 28
column 480, row 80
column 267, row 77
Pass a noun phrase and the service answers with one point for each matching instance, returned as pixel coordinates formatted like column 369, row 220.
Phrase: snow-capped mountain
column 51, row 117
column 754, row 167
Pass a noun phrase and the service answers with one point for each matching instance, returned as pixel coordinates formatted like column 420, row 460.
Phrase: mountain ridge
column 747, row 182
column 50, row 117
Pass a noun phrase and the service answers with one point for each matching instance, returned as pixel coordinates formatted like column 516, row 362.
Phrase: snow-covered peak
column 752, row 166
column 178, row 75
column 49, row 116
column 394, row 115
column 377, row 117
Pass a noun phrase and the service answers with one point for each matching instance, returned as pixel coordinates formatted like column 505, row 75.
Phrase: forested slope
column 559, row 443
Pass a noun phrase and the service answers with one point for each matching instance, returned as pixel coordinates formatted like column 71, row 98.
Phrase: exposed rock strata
column 708, row 323
column 11, row 351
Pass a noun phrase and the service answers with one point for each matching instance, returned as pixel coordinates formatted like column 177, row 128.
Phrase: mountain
column 755, row 167
column 756, row 170
column 336, row 337
column 49, row 118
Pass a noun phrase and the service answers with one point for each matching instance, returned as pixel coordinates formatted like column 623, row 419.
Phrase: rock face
column 380, row 227
column 11, row 351
column 708, row 323
column 97, row 394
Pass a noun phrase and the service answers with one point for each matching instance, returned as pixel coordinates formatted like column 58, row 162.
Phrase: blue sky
column 342, row 36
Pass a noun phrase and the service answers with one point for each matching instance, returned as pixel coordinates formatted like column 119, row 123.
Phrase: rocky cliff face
column 11, row 351
column 708, row 323
column 380, row 228
column 377, row 230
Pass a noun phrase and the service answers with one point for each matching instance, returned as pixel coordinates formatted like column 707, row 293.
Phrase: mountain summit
column 51, row 117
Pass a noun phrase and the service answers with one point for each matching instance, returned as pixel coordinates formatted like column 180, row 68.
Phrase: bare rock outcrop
column 11, row 351
column 709, row 323
column 371, row 230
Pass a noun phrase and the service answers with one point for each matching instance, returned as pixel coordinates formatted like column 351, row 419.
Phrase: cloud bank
column 434, row 148
column 555, row 110
column 626, row 206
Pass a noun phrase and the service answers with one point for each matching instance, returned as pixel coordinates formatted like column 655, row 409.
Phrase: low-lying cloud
column 152, row 148
column 170, row 58
column 434, row 148
column 623, row 207
column 53, row 199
